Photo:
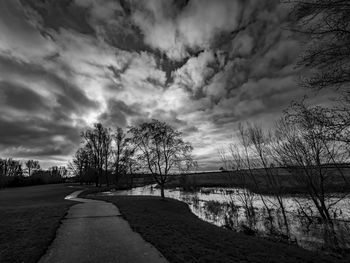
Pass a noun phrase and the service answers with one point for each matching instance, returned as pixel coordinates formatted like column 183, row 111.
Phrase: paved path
column 94, row 231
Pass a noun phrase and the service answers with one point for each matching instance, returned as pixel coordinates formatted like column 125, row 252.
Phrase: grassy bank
column 181, row 237
column 29, row 217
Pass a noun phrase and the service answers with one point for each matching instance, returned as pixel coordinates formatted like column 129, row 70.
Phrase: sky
column 203, row 66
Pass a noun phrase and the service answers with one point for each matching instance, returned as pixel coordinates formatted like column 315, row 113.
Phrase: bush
column 188, row 183
column 38, row 178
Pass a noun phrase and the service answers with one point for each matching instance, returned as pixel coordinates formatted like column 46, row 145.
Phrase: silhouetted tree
column 32, row 165
column 301, row 145
column 260, row 141
column 83, row 165
column 97, row 140
column 161, row 149
column 77, row 164
column 107, row 151
column 335, row 121
column 58, row 172
column 10, row 170
column 241, row 155
column 122, row 153
column 327, row 23
column 11, row 167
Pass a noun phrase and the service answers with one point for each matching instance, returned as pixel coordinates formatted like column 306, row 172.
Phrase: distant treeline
column 233, row 178
column 14, row 173
column 127, row 180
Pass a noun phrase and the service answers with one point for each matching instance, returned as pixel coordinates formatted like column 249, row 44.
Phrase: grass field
column 181, row 237
column 29, row 217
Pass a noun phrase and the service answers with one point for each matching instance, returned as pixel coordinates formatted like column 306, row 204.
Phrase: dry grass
column 182, row 237
column 29, row 219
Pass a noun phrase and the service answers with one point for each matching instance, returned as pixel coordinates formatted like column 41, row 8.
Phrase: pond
column 243, row 211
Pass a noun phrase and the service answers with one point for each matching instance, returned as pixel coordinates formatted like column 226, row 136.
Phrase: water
column 241, row 210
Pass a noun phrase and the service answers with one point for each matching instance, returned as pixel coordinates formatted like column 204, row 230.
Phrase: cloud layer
column 201, row 65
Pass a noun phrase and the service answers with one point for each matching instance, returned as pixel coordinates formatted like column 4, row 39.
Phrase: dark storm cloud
column 117, row 113
column 67, row 95
column 19, row 97
column 31, row 127
column 37, row 137
column 201, row 65
column 61, row 14
column 37, row 109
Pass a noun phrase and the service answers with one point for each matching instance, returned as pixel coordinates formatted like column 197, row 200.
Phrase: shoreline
column 178, row 222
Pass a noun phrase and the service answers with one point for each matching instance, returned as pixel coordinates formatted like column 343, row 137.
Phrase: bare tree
column 335, row 122
column 123, row 153
column 58, row 172
column 32, row 165
column 327, row 24
column 249, row 153
column 107, row 151
column 97, row 141
column 9, row 168
column 160, row 148
column 82, row 164
column 243, row 174
column 77, row 165
column 261, row 145
column 244, row 160
column 300, row 146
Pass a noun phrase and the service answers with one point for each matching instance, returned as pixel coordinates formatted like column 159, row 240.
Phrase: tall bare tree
column 32, row 165
column 82, row 164
column 161, row 149
column 123, row 152
column 107, row 151
column 9, row 168
column 300, row 146
column 97, row 141
column 335, row 122
column 260, row 141
column 250, row 152
column 327, row 24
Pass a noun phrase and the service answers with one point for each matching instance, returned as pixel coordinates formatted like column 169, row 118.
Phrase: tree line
column 15, row 173
column 153, row 147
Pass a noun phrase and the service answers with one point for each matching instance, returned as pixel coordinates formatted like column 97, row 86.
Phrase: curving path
column 94, row 231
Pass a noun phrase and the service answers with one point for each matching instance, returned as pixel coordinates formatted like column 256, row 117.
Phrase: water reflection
column 243, row 211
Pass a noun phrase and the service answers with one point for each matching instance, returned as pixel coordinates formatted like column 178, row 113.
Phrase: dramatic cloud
column 201, row 65
column 178, row 29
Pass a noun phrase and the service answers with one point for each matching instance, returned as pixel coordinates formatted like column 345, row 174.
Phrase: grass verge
column 29, row 218
column 182, row 237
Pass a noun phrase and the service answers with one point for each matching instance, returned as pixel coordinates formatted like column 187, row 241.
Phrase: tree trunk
column 162, row 191
column 117, row 174
column 100, row 175
column 116, row 178
column 284, row 217
column 131, row 180
column 107, row 180
column 80, row 178
column 106, row 171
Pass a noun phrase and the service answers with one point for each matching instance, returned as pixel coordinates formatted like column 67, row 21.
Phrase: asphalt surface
column 94, row 231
